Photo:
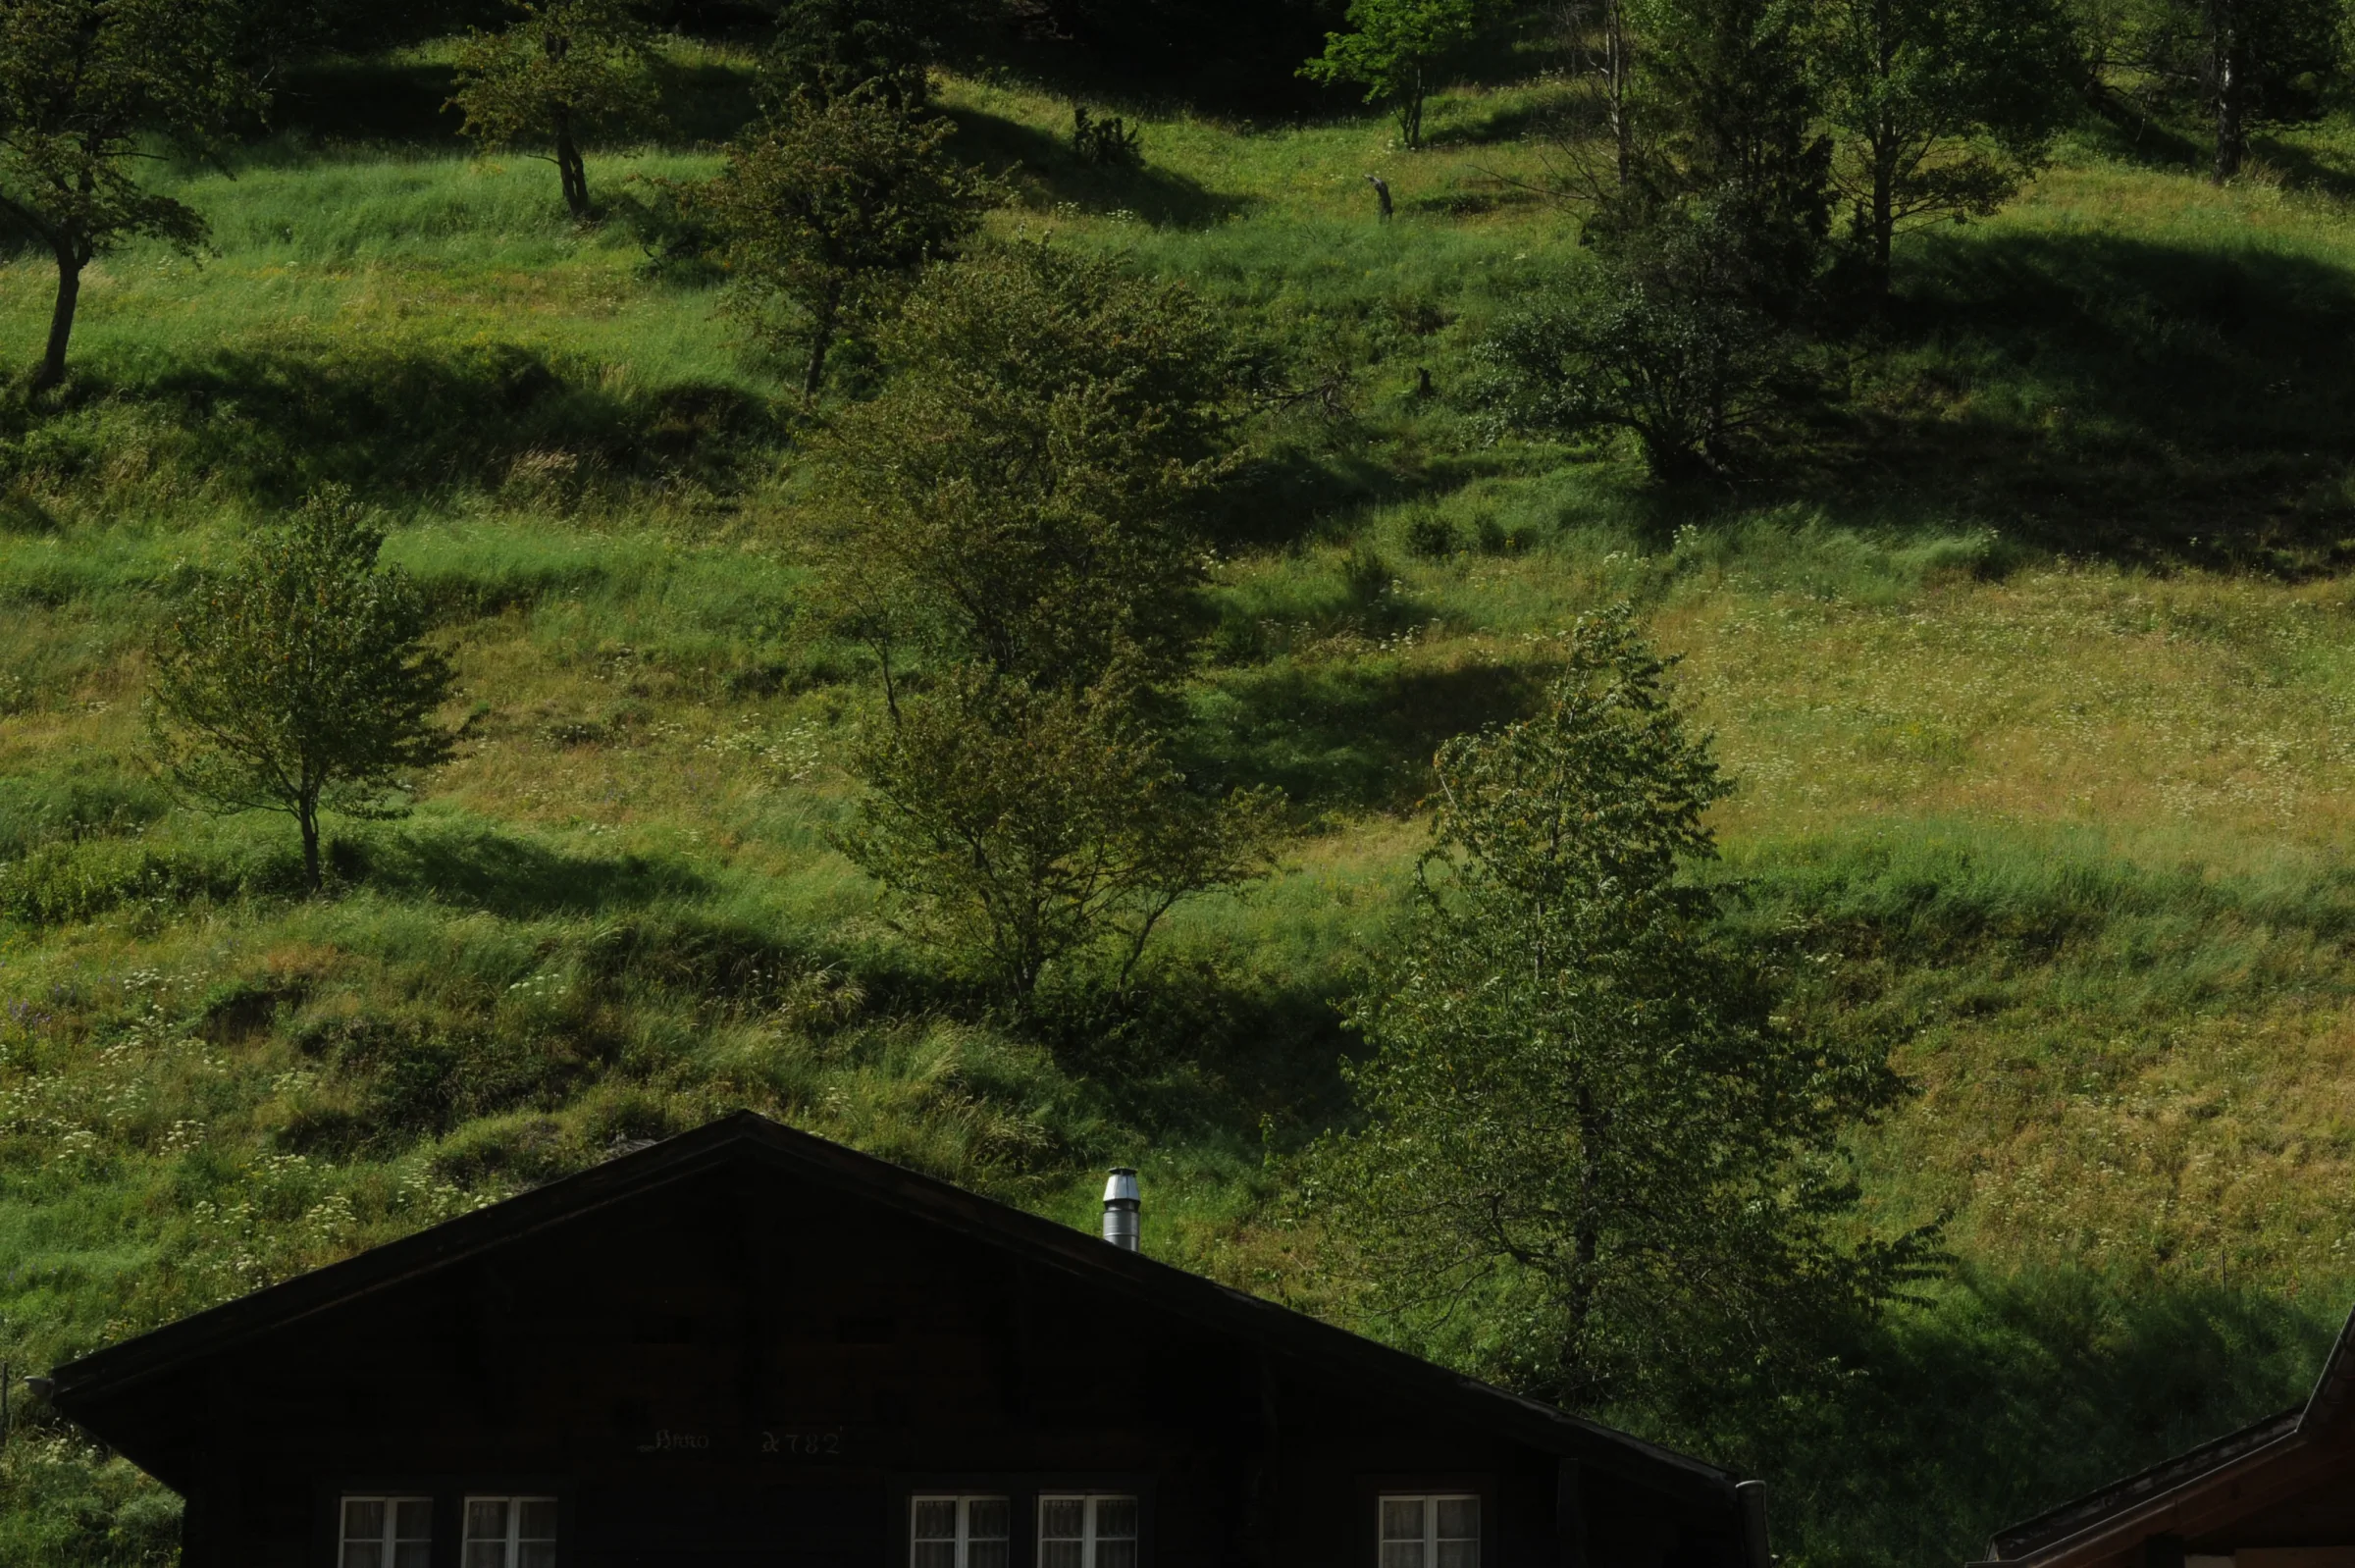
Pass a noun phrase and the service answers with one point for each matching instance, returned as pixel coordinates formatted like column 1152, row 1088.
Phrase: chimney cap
column 1121, row 1185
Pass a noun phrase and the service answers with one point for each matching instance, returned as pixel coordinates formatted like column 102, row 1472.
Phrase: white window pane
column 935, row 1519
column 486, row 1554
column 412, row 1554
column 413, row 1519
column 1116, row 1519
column 997, row 1553
column 1063, row 1519
column 536, row 1518
column 1401, row 1520
column 1116, row 1553
column 486, row 1520
column 988, row 1518
column 364, row 1554
column 536, row 1554
column 1459, row 1519
column 1402, row 1554
column 1060, row 1554
column 933, row 1554
column 1459, row 1554
column 363, row 1519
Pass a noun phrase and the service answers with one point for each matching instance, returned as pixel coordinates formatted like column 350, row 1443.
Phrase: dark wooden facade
column 2277, row 1493
column 748, row 1346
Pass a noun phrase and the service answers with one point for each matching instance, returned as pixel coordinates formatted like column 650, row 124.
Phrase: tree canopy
column 1019, row 494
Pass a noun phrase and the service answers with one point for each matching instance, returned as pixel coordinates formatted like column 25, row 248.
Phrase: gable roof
column 2146, row 1501
column 747, row 1137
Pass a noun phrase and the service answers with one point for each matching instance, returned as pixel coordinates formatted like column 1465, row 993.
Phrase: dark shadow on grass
column 403, row 426
column 1345, row 733
column 1159, row 196
column 1196, row 1056
column 2097, row 394
column 2127, row 133
column 375, row 101
column 2305, row 168
column 370, row 101
column 516, row 878
column 2009, row 1395
column 705, row 101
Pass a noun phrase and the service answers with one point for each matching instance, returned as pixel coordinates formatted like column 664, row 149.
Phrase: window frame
column 964, row 1498
column 1430, row 1539
column 1372, row 1488
column 386, row 1540
column 1090, row 1496
column 515, row 1542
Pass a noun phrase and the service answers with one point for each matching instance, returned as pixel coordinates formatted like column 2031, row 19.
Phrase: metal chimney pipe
column 1121, row 1206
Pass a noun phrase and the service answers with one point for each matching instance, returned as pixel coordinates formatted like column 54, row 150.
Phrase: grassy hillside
column 2033, row 652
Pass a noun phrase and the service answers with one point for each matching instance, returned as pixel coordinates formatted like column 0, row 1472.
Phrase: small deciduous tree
column 1396, row 51
column 300, row 680
column 1019, row 495
column 1586, row 1123
column 833, row 209
column 563, row 70
column 1024, row 829
column 1660, row 341
column 86, row 88
column 1941, row 107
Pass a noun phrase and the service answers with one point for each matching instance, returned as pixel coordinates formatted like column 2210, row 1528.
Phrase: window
column 958, row 1533
column 1089, row 1530
column 387, row 1532
column 510, row 1533
column 1432, row 1530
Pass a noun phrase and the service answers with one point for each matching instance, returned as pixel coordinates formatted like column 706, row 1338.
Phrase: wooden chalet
column 750, row 1347
column 2279, row 1494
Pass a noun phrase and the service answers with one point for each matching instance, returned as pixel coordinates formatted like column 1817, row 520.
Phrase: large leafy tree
column 1020, row 496
column 1588, row 1126
column 1941, row 107
column 300, row 679
column 1005, row 527
column 1396, row 49
column 833, row 208
column 563, row 71
column 87, row 88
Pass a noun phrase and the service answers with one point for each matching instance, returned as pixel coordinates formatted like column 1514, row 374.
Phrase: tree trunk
column 69, row 263
column 1587, row 1241
column 1410, row 111
column 1884, row 216
column 306, row 816
column 2223, row 64
column 821, row 341
column 570, row 168
column 1615, row 83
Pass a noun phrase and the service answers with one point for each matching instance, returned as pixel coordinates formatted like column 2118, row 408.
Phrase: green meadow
column 2032, row 650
